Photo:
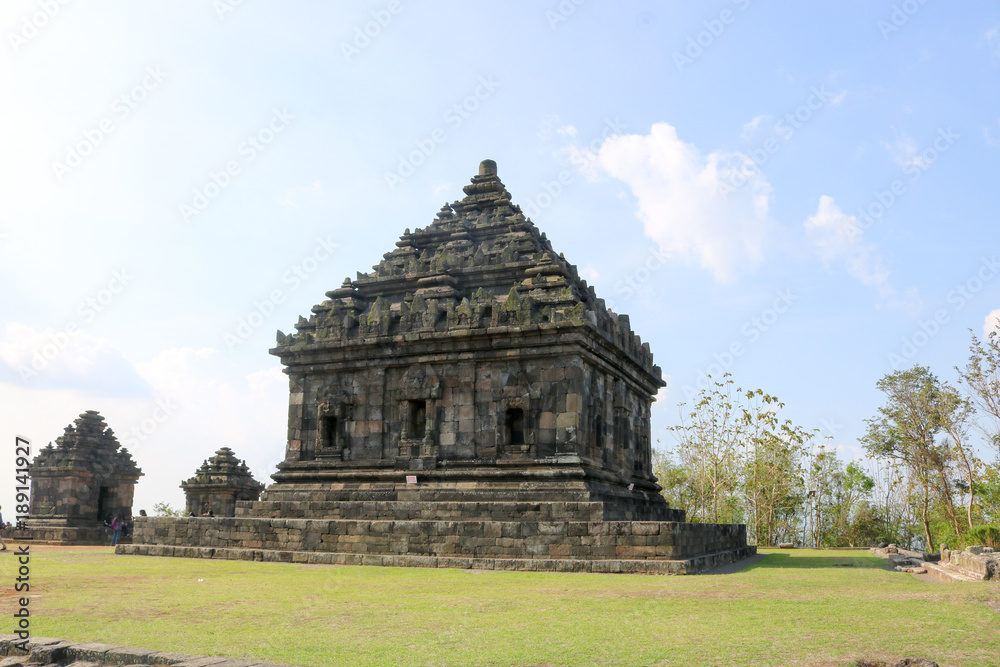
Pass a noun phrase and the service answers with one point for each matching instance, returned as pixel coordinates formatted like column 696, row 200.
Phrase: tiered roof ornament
column 87, row 443
column 480, row 264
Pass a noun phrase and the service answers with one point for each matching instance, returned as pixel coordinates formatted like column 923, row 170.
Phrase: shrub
column 164, row 509
column 987, row 536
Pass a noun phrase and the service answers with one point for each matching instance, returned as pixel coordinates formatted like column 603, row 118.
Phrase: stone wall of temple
column 622, row 546
column 521, row 408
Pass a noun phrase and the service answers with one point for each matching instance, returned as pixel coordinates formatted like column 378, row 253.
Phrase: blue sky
column 798, row 194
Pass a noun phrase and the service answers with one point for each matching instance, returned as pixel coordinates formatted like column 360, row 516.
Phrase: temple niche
column 218, row 484
column 85, row 479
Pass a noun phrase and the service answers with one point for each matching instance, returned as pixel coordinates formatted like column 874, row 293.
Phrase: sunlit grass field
column 790, row 608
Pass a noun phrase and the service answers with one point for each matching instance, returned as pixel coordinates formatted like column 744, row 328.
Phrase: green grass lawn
column 791, row 608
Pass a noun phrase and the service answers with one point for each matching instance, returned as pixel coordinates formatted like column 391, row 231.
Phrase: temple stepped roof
column 224, row 468
column 480, row 264
column 87, row 444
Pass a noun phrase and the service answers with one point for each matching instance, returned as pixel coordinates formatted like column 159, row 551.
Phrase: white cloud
column 750, row 129
column 711, row 209
column 590, row 273
column 906, row 153
column 837, row 237
column 991, row 323
column 194, row 402
column 60, row 359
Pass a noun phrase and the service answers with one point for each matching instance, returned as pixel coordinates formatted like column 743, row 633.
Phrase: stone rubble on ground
column 976, row 563
column 50, row 652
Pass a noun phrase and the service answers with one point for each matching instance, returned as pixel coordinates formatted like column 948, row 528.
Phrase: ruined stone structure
column 76, row 485
column 218, row 484
column 470, row 400
column 978, row 561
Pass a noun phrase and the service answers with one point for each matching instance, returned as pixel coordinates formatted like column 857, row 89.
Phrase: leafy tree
column 738, row 461
column 987, row 489
column 840, row 508
column 673, row 480
column 981, row 379
column 891, row 500
column 773, row 481
column 709, row 451
column 955, row 415
column 164, row 509
column 918, row 407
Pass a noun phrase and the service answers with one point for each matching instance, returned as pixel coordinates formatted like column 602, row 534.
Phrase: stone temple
column 78, row 484
column 219, row 484
column 470, row 402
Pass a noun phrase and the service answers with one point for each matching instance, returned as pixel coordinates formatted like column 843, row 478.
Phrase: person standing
column 116, row 528
column 4, row 547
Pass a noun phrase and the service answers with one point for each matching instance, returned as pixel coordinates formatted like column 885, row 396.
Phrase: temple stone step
column 691, row 565
column 424, row 511
column 434, row 494
column 575, row 540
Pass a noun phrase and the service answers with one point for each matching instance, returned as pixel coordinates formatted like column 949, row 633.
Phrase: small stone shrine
column 218, row 484
column 471, row 402
column 78, row 484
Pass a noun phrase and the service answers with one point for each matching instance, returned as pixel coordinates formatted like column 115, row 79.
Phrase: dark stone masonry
column 78, row 484
column 471, row 402
column 218, row 484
